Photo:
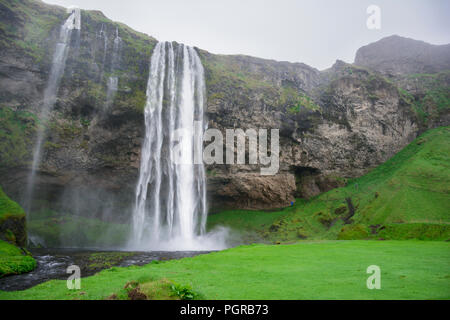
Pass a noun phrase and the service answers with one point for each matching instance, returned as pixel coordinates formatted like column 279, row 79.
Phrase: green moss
column 227, row 70
column 13, row 260
column 434, row 99
column 420, row 231
column 65, row 130
column 17, row 130
column 9, row 208
column 211, row 173
column 9, row 236
column 51, row 146
column 294, row 101
column 137, row 100
column 353, row 232
column 102, row 260
column 32, row 24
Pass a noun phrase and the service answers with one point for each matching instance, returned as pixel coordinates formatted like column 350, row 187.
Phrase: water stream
column 73, row 22
column 113, row 80
column 53, row 263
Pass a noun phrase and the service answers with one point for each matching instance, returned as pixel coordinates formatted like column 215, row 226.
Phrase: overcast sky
column 316, row 32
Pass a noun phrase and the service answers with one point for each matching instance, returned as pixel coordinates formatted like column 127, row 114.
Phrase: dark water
column 53, row 263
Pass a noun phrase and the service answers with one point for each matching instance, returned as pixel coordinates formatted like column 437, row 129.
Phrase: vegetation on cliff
column 428, row 94
column 12, row 221
column 17, row 128
column 404, row 198
column 25, row 27
column 13, row 260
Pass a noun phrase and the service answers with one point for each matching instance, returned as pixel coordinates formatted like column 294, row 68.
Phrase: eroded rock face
column 333, row 124
column 362, row 121
column 251, row 191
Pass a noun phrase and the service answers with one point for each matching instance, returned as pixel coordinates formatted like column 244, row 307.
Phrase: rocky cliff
column 335, row 124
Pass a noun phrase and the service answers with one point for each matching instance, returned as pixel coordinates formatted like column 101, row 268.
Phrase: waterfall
column 113, row 81
column 102, row 35
column 73, row 22
column 170, row 209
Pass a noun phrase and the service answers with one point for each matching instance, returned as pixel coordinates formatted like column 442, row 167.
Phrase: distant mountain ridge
column 398, row 55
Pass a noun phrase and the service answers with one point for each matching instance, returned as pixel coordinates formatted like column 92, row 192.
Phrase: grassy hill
column 408, row 197
column 13, row 260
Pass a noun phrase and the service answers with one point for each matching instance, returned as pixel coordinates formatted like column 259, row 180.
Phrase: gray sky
column 316, row 32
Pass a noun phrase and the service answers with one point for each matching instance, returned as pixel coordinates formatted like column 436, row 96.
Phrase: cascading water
column 102, row 35
column 170, row 210
column 56, row 73
column 113, row 81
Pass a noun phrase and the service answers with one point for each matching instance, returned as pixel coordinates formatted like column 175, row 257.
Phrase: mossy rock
column 301, row 233
column 354, row 232
column 12, row 221
column 340, row 210
column 325, row 219
column 14, row 260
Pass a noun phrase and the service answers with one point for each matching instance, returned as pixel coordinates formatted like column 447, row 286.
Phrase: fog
column 314, row 32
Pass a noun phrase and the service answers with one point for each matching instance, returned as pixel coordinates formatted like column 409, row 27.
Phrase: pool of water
column 53, row 263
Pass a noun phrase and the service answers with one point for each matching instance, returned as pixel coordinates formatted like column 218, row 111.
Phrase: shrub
column 184, row 292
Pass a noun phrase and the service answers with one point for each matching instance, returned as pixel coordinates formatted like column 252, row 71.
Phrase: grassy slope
column 8, row 207
column 13, row 260
column 307, row 270
column 405, row 198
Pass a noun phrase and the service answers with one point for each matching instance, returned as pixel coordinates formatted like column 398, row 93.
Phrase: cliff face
column 354, row 120
column 334, row 124
column 91, row 154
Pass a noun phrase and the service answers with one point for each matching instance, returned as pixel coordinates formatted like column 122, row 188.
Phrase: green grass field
column 307, row 270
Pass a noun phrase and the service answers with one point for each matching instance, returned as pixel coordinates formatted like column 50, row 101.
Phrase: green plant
column 184, row 292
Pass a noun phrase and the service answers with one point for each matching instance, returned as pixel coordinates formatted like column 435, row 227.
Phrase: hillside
column 405, row 198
